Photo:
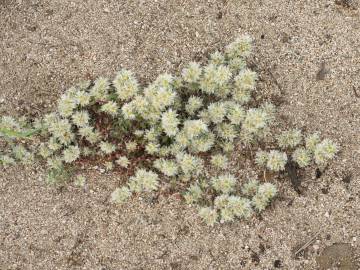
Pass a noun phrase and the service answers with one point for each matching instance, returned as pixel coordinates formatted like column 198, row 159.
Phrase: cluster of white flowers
column 219, row 161
column 250, row 188
column 123, row 161
column 302, row 157
column 265, row 193
column 110, row 107
column 126, row 85
column 192, row 73
column 107, row 147
column 189, row 164
column 166, row 167
column 193, row 105
column 100, row 90
column 80, row 118
column 120, row 195
column 224, row 183
column 273, row 160
column 276, row 160
column 231, row 206
column 193, row 194
column 144, row 180
column 290, row 138
column 71, row 153
column 170, row 122
column 325, row 151
column 228, row 207
column 208, row 215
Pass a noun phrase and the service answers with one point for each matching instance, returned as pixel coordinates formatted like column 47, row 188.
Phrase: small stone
column 106, row 10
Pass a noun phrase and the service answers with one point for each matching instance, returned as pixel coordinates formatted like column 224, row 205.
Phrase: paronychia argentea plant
column 181, row 133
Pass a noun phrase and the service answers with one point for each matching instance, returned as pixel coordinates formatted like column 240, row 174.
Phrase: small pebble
column 106, row 10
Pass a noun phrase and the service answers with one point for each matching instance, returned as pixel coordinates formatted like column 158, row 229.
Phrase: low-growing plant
column 180, row 133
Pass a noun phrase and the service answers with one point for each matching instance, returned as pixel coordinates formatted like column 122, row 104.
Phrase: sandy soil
column 46, row 46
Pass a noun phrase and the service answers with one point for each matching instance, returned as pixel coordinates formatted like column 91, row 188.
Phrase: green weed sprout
column 178, row 133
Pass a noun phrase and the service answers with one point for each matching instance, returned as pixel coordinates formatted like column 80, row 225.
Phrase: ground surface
column 46, row 46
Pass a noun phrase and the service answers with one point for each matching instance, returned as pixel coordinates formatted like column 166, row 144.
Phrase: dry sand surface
column 48, row 45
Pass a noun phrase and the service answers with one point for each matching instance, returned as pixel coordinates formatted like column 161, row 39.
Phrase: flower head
column 261, row 158
column 71, row 153
column 82, row 98
column 193, row 104
column 302, row 157
column 217, row 112
column 169, row 123
column 191, row 74
column 312, row 141
column 325, row 151
column 120, row 195
column 219, row 161
column 100, row 90
column 241, row 47
column 80, row 118
column 193, row 194
column 276, row 160
column 110, row 107
column 194, row 128
column 290, row 138
column 189, row 164
column 107, row 148
column 123, row 161
column 167, row 167
column 131, row 146
column 224, row 183
column 208, row 215
column 250, row 188
column 236, row 114
column 80, row 181
column 144, row 180
column 217, row 58
column 66, row 105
